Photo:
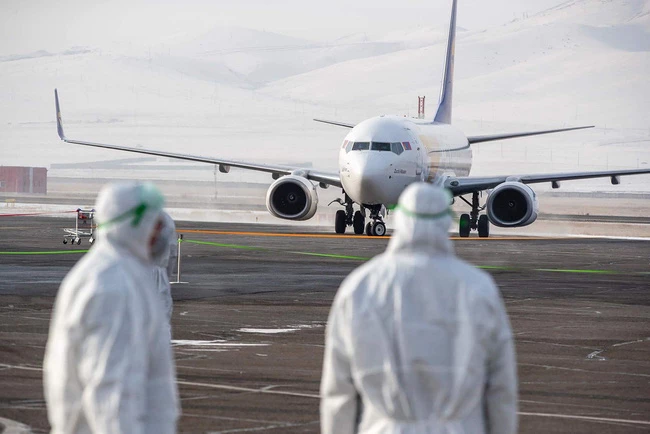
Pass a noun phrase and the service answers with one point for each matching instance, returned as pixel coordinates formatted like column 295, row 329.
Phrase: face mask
column 162, row 240
column 160, row 246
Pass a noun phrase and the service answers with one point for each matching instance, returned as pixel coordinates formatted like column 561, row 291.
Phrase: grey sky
column 55, row 25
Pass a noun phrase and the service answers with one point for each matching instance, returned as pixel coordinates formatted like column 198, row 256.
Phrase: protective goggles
column 150, row 199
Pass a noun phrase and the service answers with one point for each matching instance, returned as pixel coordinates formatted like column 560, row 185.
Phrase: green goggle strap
column 137, row 213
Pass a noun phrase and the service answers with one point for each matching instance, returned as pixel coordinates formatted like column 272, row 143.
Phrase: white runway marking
column 590, row 418
column 207, row 369
column 36, row 318
column 268, row 390
column 262, row 428
column 555, row 344
column 214, row 343
column 24, row 368
column 13, row 427
column 511, row 301
column 266, row 331
column 248, row 389
column 612, row 237
column 562, row 368
column 238, row 419
column 631, row 342
column 596, row 355
column 315, row 396
column 564, row 404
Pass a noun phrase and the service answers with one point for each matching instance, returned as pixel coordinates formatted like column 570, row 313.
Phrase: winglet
column 59, row 123
column 443, row 114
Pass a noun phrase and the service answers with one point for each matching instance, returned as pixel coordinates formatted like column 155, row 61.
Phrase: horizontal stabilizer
column 492, row 137
column 338, row 124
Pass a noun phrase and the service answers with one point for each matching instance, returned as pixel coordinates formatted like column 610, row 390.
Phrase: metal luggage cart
column 84, row 227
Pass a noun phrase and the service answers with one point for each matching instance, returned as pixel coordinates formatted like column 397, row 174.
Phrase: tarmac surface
column 248, row 326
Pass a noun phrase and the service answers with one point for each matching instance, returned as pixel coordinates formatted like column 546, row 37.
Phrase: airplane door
column 421, row 169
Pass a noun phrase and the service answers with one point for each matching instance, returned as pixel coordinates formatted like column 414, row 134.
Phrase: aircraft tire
column 378, row 229
column 358, row 222
column 339, row 222
column 463, row 226
column 483, row 226
column 369, row 229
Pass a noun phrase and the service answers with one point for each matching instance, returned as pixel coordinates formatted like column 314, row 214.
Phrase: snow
column 250, row 93
column 213, row 343
column 267, row 331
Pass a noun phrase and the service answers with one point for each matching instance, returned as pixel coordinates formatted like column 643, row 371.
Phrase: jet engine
column 292, row 197
column 512, row 204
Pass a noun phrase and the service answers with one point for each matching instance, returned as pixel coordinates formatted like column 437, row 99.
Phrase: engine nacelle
column 292, row 197
column 512, row 204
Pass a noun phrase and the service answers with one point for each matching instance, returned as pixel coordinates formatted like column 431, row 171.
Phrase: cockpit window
column 396, row 147
column 380, row 146
column 361, row 146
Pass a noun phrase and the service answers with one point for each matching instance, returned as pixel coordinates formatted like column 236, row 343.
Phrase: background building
column 16, row 179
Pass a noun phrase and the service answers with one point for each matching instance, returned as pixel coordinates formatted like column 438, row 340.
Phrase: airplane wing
column 470, row 184
column 491, row 137
column 337, row 123
column 224, row 165
column 479, row 139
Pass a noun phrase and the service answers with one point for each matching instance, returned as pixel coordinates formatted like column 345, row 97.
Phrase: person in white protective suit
column 418, row 341
column 165, row 254
column 108, row 364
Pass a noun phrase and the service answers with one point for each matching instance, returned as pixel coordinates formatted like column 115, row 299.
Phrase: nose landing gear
column 357, row 219
column 473, row 221
column 377, row 227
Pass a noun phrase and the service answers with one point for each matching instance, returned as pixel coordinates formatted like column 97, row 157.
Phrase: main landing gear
column 473, row 221
column 357, row 219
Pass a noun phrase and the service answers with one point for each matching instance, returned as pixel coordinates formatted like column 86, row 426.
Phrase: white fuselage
column 381, row 156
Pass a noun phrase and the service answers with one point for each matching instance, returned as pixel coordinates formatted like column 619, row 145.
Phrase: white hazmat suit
column 418, row 341
column 108, row 364
column 165, row 254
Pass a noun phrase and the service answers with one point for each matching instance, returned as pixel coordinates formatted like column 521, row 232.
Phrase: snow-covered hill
column 250, row 93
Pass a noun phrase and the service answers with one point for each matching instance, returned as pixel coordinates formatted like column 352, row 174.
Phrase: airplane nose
column 368, row 175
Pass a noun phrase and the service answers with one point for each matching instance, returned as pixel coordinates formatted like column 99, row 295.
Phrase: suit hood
column 127, row 215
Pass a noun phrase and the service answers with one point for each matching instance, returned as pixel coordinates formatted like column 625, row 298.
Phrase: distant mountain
column 250, row 94
column 544, row 68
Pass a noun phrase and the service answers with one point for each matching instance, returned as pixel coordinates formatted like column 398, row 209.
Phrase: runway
column 248, row 326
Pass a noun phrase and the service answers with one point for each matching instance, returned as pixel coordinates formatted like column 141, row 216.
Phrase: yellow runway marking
column 509, row 238
column 271, row 234
column 361, row 237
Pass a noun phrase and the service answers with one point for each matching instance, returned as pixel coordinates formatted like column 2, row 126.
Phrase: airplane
column 381, row 156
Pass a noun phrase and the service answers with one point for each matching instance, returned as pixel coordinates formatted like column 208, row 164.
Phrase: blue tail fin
column 443, row 115
column 59, row 122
